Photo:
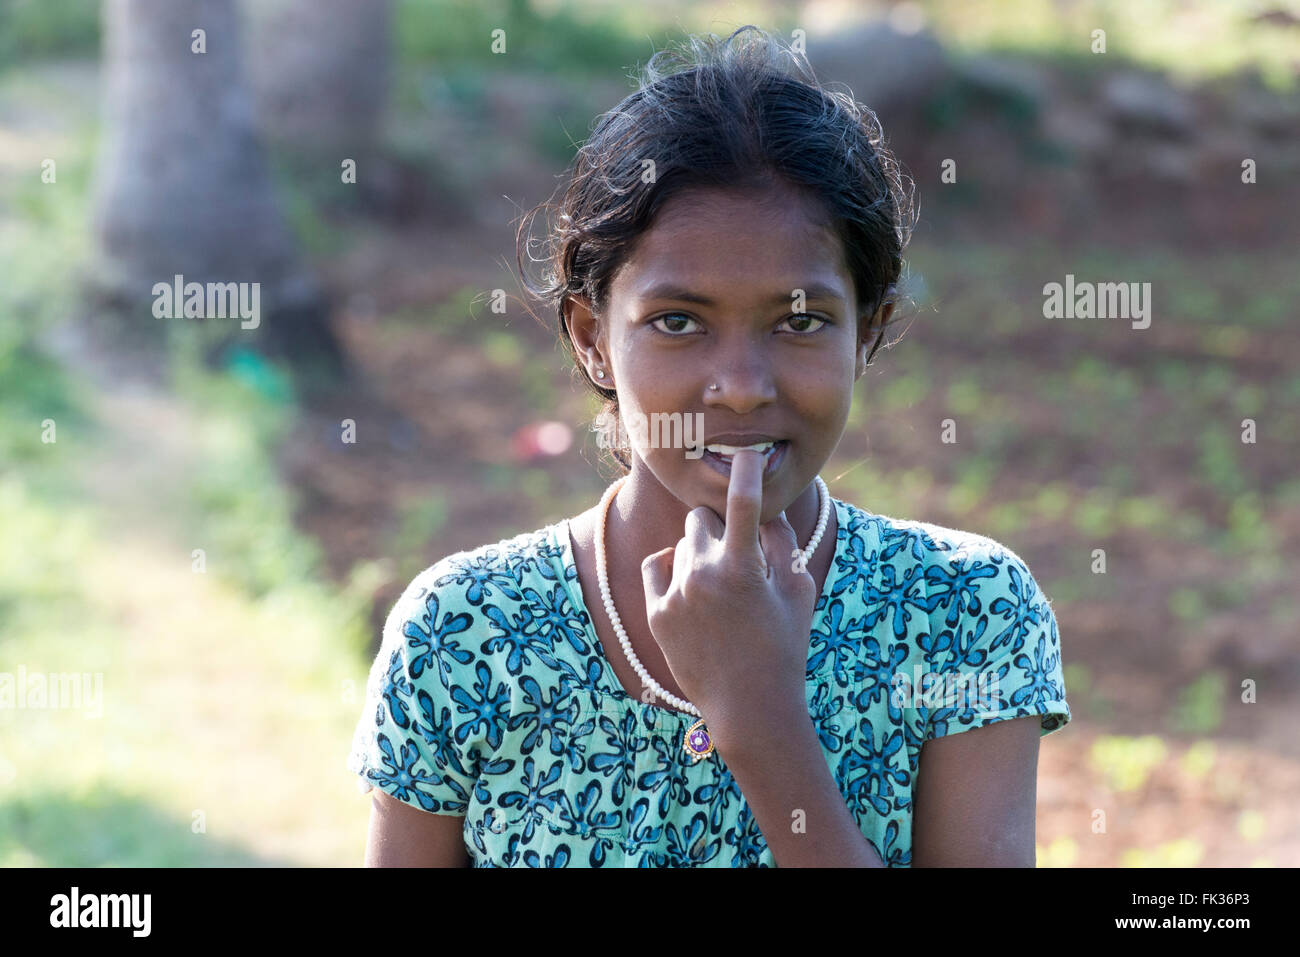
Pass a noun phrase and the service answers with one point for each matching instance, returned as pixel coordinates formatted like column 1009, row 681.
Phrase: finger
column 704, row 528
column 779, row 541
column 744, row 502
column 656, row 574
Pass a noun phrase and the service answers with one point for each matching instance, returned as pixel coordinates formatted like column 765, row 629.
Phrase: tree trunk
column 320, row 72
column 182, row 185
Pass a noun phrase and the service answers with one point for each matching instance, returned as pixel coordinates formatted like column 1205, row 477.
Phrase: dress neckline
column 612, row 687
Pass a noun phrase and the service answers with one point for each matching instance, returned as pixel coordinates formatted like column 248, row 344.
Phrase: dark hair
column 738, row 114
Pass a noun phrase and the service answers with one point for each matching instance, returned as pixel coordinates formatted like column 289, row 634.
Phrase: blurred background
column 217, row 520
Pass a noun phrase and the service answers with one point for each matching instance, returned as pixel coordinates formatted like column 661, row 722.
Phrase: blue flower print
column 875, row 677
column 837, row 641
column 747, row 840
column 514, row 636
column 554, row 617
column 669, row 778
column 1040, row 689
column 484, row 575
column 425, row 640
column 826, row 709
column 896, row 594
column 534, row 796
column 487, row 709
column 397, row 693
column 877, row 784
column 692, row 845
column 436, row 728
column 491, row 699
column 1019, row 607
column 718, row 797
column 550, row 715
column 559, row 859
column 640, row 829
column 402, row 777
column 956, row 586
column 585, row 818
column 622, row 745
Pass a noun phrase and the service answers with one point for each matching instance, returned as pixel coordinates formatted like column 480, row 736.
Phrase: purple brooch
column 697, row 743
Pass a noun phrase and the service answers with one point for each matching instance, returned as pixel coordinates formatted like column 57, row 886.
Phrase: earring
column 600, row 373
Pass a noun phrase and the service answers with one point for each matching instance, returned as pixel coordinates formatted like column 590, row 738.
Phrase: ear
column 874, row 329
column 588, row 339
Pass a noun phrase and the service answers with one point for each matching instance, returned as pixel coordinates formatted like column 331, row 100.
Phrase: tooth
column 730, row 450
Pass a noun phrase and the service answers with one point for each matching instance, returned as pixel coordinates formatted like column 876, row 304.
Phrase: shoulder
column 902, row 541
column 947, row 572
column 496, row 570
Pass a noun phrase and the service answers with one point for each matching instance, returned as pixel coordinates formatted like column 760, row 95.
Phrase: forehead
column 740, row 245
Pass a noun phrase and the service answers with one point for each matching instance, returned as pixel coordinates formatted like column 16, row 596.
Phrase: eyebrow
column 670, row 290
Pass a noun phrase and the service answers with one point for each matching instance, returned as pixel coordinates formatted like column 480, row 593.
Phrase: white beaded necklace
column 696, row 742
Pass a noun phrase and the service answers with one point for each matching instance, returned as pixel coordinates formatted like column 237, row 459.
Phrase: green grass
column 228, row 692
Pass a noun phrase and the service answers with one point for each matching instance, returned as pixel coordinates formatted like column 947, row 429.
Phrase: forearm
column 782, row 772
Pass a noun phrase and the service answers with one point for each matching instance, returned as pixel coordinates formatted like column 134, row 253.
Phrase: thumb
column 657, row 574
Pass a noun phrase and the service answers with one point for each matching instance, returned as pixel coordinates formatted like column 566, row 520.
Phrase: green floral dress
column 492, row 699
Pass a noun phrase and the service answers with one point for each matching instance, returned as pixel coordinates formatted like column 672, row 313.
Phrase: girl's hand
column 729, row 612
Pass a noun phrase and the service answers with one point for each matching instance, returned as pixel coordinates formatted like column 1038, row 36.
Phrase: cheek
column 822, row 395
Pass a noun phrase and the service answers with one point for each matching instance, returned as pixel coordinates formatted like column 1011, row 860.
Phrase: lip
column 774, row 460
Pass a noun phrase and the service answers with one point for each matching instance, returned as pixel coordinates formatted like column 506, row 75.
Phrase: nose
column 744, row 377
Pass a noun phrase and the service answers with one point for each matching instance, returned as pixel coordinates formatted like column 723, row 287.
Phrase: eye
column 679, row 317
column 671, row 317
column 805, row 317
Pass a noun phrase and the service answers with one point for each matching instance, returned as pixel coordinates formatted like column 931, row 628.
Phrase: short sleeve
column 407, row 742
column 994, row 649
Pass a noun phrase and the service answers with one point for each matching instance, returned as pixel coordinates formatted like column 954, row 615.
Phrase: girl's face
column 708, row 296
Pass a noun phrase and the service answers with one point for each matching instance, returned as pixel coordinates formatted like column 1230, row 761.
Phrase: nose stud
column 713, row 387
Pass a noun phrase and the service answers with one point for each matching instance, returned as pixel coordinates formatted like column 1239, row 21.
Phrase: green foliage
column 956, row 101
column 46, row 248
column 1219, row 460
column 1095, row 515
column 1053, row 500
column 1186, row 604
column 33, row 390
column 1248, row 529
column 503, row 350
column 1200, row 705
column 571, row 39
column 965, row 396
column 1191, row 41
column 904, row 391
column 465, row 311
column 234, row 505
column 42, row 28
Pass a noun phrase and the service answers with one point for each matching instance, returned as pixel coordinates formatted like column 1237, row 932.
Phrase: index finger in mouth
column 744, row 499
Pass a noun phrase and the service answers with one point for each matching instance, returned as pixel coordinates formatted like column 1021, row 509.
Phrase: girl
column 718, row 664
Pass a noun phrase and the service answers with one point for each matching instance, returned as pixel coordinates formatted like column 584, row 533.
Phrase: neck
column 645, row 517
